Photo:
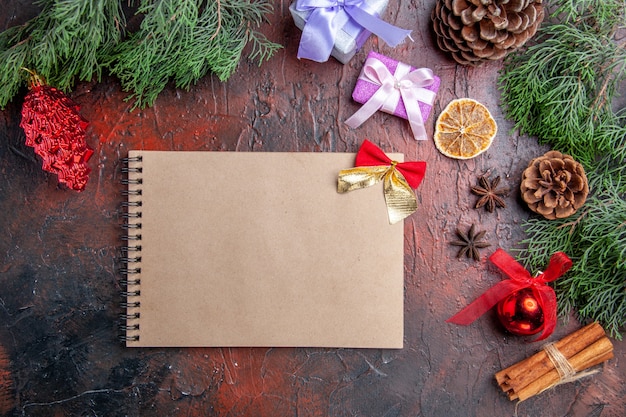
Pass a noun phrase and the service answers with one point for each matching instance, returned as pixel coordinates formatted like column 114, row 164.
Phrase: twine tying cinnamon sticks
column 558, row 363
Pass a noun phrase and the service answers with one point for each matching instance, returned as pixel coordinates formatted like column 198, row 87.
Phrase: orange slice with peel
column 464, row 129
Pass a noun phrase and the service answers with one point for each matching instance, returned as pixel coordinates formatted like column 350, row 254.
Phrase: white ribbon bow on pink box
column 403, row 91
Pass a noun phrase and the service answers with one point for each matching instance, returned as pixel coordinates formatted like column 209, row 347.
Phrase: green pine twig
column 64, row 43
column 14, row 55
column 183, row 40
column 561, row 89
column 178, row 41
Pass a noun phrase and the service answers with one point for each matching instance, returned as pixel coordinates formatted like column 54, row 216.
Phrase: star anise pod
column 470, row 242
column 489, row 193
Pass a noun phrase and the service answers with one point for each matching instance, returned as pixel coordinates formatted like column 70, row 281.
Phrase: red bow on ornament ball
column 399, row 179
column 519, row 279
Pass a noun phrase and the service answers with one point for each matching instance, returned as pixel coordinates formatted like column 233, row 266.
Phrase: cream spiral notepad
column 257, row 249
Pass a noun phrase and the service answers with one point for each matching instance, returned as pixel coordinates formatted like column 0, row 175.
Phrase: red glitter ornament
column 521, row 313
column 56, row 130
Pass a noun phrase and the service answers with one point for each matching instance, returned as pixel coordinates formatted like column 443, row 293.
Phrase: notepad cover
column 258, row 249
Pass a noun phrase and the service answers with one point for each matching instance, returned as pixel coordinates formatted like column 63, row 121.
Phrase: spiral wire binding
column 131, row 252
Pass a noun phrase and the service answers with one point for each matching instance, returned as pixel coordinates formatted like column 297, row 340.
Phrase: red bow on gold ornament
column 399, row 179
column 519, row 279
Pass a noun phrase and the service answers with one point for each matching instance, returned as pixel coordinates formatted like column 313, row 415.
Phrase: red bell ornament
column 526, row 304
column 521, row 313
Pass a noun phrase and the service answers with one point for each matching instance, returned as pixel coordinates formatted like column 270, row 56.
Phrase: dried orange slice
column 464, row 129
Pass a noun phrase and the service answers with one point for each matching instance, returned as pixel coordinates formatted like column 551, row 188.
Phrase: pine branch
column 262, row 48
column 182, row 41
column 179, row 41
column 604, row 15
column 552, row 92
column 14, row 55
column 63, row 43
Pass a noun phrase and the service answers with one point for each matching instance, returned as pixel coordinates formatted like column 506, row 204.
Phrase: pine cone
column 554, row 185
column 474, row 31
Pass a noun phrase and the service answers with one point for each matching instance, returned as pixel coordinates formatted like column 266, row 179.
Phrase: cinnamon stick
column 525, row 372
column 593, row 355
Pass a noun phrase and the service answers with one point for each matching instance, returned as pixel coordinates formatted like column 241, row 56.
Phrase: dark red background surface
column 59, row 297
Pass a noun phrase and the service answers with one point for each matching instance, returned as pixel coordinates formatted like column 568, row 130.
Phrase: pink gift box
column 364, row 90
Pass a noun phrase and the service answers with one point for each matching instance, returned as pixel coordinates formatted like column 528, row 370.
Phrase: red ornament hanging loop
column 56, row 131
column 524, row 318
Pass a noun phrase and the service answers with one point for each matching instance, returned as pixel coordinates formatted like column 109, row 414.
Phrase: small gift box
column 395, row 88
column 353, row 22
